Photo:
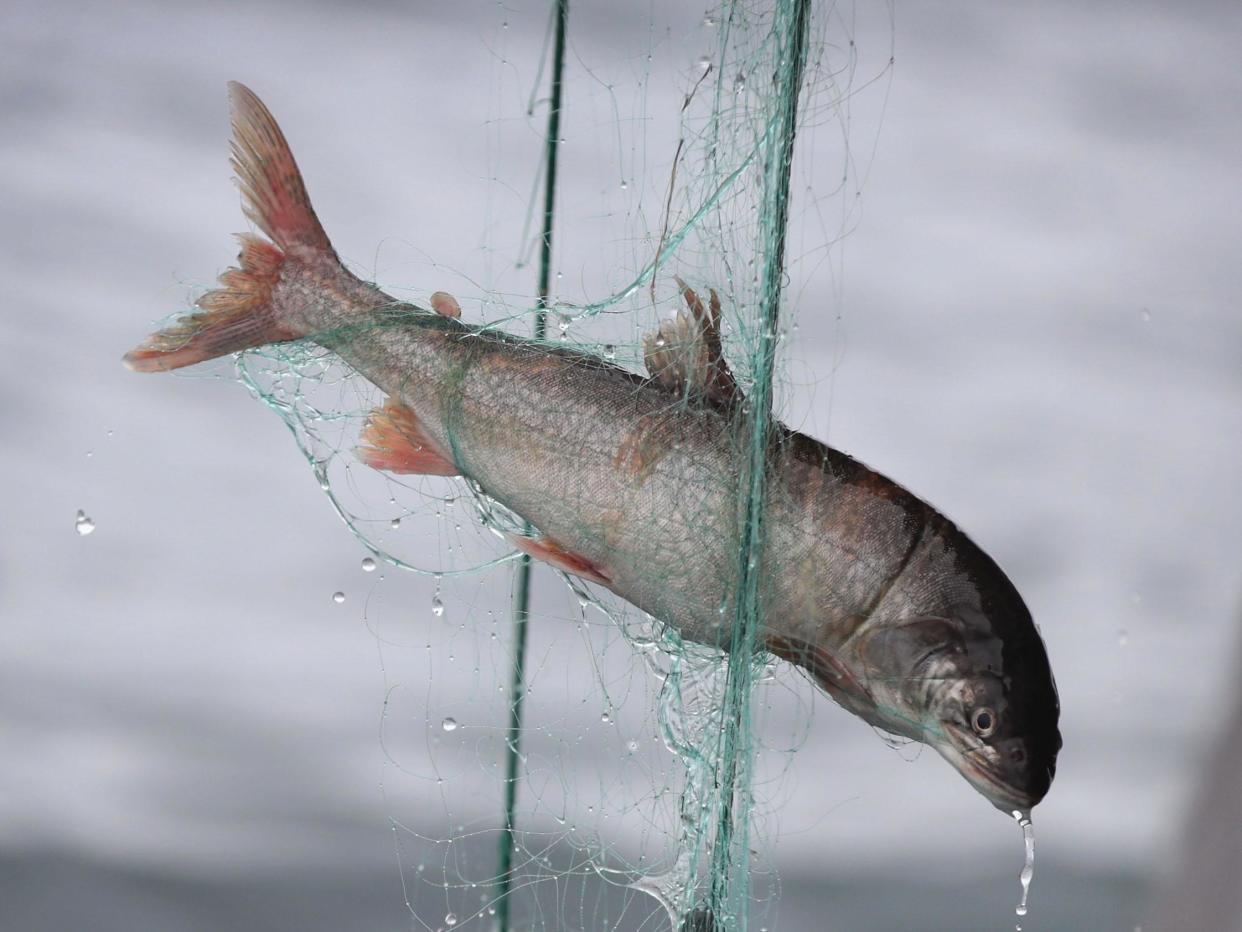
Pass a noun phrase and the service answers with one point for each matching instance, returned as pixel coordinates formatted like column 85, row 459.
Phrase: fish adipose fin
column 240, row 314
column 445, row 305
column 394, row 441
column 551, row 552
column 684, row 354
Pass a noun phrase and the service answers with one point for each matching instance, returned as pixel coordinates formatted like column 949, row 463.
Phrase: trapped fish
column 894, row 611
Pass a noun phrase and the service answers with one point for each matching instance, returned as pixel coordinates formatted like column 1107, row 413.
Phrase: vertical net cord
column 521, row 600
column 728, row 896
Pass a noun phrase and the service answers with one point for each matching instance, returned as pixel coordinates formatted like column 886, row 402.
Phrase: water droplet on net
column 338, row 597
column 395, row 523
column 437, row 606
column 82, row 524
column 606, row 718
column 610, row 352
column 368, row 565
column 449, row 724
column 704, row 63
column 450, row 919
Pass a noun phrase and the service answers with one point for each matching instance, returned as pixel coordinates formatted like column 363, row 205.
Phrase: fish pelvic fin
column 240, row 314
column 394, row 441
column 552, row 553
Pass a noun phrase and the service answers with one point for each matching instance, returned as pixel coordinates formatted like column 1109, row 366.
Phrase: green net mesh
column 556, row 757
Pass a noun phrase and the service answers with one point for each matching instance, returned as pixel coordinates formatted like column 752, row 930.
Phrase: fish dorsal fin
column 684, row 354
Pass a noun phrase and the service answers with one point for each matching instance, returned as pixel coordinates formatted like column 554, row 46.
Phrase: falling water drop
column 1028, row 869
column 437, row 606
column 704, row 63
column 449, row 724
column 338, row 597
column 368, row 565
column 395, row 523
column 82, row 524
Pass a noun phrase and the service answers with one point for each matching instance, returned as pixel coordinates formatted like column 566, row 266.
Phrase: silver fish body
column 637, row 486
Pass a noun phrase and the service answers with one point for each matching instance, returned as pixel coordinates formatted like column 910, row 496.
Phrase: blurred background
column 1029, row 315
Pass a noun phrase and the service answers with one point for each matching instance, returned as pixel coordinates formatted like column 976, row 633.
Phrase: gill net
column 555, row 758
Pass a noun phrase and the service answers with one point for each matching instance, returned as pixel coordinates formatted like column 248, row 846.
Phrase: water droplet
column 89, row 454
column 449, row 724
column 437, row 607
column 394, row 523
column 739, row 83
column 368, row 565
column 1028, row 868
column 451, row 919
column 606, row 718
column 709, row 20
column 632, row 745
column 610, row 352
column 1145, row 313
column 338, row 597
column 625, row 185
column 82, row 524
column 703, row 63
column 1123, row 637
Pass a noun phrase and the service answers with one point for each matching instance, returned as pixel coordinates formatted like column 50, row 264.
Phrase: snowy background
column 1039, row 330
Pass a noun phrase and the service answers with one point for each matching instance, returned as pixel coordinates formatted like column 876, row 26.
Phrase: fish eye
column 983, row 721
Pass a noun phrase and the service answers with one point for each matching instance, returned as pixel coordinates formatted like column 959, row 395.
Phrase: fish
column 633, row 482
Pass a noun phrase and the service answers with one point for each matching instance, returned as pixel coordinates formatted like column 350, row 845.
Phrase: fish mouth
column 969, row 759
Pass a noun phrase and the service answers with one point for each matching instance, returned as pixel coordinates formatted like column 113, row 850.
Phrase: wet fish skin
column 893, row 611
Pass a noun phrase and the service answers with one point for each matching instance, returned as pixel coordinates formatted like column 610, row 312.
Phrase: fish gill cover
column 579, row 763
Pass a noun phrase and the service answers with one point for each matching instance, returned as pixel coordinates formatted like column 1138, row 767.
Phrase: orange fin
column 445, row 304
column 236, row 316
column 553, row 553
column 394, row 441
column 240, row 313
column 274, row 195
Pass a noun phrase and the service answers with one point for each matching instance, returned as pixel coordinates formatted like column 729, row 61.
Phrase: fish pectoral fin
column 394, row 441
column 829, row 673
column 685, row 356
column 550, row 552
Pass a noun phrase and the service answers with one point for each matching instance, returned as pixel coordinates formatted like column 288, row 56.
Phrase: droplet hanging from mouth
column 1028, row 869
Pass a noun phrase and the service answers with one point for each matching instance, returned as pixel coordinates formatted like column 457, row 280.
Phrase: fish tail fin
column 240, row 314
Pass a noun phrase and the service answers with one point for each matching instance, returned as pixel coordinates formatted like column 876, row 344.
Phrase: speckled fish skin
column 893, row 611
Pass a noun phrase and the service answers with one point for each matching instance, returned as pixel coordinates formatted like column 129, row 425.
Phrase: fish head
column 957, row 660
